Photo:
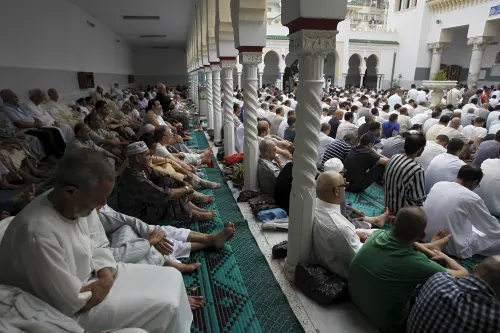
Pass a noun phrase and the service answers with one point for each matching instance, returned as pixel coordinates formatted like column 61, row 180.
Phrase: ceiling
column 176, row 17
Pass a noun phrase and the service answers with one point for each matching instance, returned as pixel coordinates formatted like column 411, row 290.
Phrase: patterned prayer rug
column 371, row 202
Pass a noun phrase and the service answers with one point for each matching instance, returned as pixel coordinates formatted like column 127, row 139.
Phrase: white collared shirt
column 431, row 150
column 488, row 189
column 335, row 242
column 324, row 141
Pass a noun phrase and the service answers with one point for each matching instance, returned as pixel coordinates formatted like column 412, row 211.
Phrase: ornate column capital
column 437, row 47
column 215, row 66
column 479, row 43
column 313, row 41
column 208, row 69
column 228, row 63
column 251, row 58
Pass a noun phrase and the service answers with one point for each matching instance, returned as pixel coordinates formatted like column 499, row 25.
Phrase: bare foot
column 183, row 268
column 208, row 184
column 195, row 302
column 202, row 216
column 223, row 236
column 381, row 219
column 202, row 198
column 439, row 241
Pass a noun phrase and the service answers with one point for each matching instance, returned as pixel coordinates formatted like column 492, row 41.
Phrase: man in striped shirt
column 338, row 148
column 404, row 178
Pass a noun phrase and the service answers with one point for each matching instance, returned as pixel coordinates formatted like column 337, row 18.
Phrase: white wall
column 46, row 42
column 458, row 53
column 167, row 66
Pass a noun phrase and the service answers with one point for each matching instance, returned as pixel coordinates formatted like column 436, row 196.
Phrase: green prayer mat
column 371, row 202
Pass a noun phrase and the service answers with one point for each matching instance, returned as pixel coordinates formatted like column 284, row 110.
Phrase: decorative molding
column 276, row 37
column 479, row 43
column 437, row 47
column 216, row 67
column 442, row 6
column 313, row 41
column 228, row 63
column 315, row 24
column 369, row 41
column 251, row 58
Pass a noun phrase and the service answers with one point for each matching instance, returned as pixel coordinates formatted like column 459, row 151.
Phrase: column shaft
column 239, row 80
column 250, row 60
column 210, row 102
column 260, row 79
column 478, row 46
column 435, row 63
column 216, row 69
column 227, row 107
column 361, row 80
column 312, row 46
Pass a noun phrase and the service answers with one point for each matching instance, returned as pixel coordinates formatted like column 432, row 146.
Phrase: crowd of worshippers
column 439, row 168
column 73, row 261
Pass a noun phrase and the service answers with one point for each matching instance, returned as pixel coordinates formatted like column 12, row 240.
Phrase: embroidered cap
column 333, row 164
column 136, row 148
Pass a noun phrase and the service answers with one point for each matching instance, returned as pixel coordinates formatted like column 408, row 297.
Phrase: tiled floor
column 341, row 318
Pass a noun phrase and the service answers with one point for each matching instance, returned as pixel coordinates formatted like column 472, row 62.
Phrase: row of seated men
column 86, row 263
column 441, row 197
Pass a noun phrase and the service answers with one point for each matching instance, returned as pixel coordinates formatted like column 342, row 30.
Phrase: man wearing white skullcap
column 334, row 164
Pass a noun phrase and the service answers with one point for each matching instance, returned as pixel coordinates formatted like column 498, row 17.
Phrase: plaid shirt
column 448, row 304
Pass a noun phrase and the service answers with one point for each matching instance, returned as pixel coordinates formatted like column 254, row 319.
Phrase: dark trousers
column 370, row 177
column 51, row 139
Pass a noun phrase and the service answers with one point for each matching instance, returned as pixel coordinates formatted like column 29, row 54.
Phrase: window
column 365, row 17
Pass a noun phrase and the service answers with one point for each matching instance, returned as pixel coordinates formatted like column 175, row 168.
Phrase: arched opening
column 353, row 73
column 271, row 68
column 370, row 79
column 291, row 75
column 330, row 67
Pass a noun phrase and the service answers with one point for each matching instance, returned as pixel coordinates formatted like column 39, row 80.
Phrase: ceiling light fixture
column 153, row 36
column 140, row 17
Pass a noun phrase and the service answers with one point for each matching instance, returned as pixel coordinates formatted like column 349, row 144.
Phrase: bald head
column 263, row 128
column 267, row 149
column 455, row 123
column 328, row 187
column 409, row 225
column 489, row 271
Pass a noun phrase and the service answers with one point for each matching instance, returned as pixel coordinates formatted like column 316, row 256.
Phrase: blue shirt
column 388, row 127
column 17, row 112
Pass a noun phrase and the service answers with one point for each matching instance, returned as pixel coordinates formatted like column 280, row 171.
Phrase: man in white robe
column 56, row 249
column 33, row 105
column 488, row 189
column 445, row 166
column 453, row 206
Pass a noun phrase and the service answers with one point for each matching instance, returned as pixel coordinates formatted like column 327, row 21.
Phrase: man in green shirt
column 386, row 270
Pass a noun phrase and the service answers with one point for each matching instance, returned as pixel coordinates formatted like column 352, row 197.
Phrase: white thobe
column 53, row 258
column 393, row 100
column 466, row 107
column 334, row 238
column 488, row 189
column 473, row 132
column 428, row 124
column 433, row 132
column 420, row 119
column 412, row 94
column 452, row 207
column 67, row 132
column 324, row 141
column 494, row 129
column 421, row 97
column 431, row 150
column 491, row 118
column 443, row 167
column 344, row 128
column 452, row 133
column 240, row 138
column 283, row 126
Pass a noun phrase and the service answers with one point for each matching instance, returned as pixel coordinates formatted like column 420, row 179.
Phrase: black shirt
column 359, row 160
column 284, row 187
column 164, row 101
column 334, row 124
column 363, row 129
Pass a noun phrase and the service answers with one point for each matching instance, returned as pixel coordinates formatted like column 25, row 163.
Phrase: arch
column 354, row 73
column 290, row 59
column 291, row 72
column 371, row 72
column 271, row 67
column 332, row 66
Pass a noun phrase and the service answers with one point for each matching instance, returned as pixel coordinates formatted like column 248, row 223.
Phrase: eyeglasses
column 343, row 185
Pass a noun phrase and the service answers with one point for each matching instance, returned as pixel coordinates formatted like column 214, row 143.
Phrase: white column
column 378, row 81
column 260, row 79
column 217, row 102
column 239, row 80
column 437, row 50
column 312, row 46
column 210, row 102
column 361, row 80
column 227, row 107
column 478, row 46
column 282, row 78
column 250, row 60
column 196, row 101
column 344, row 78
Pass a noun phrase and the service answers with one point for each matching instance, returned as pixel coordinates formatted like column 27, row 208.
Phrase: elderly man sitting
column 44, row 117
column 108, row 140
column 82, row 140
column 51, row 138
column 269, row 166
column 60, row 112
column 153, row 196
column 56, row 249
column 133, row 241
